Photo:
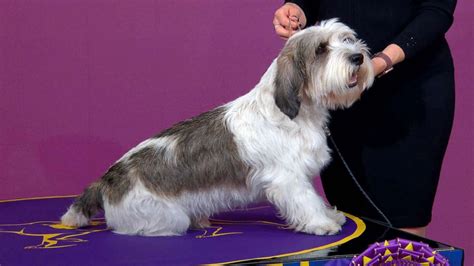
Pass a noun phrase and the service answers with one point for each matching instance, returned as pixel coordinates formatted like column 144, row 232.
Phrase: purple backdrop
column 81, row 82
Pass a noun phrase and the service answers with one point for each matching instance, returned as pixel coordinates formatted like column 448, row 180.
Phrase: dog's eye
column 349, row 40
column 321, row 49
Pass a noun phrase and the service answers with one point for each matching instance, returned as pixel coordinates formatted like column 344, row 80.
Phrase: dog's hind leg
column 302, row 208
column 146, row 214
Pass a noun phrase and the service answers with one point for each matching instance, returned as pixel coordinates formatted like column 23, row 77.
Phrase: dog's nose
column 357, row 59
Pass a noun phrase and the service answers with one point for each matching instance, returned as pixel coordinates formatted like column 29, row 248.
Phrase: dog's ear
column 289, row 81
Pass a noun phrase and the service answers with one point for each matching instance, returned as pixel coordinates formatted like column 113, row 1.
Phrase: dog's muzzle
column 357, row 60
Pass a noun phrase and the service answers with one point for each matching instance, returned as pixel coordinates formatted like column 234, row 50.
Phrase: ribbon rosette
column 399, row 252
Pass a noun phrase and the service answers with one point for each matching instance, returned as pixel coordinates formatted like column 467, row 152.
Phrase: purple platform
column 31, row 234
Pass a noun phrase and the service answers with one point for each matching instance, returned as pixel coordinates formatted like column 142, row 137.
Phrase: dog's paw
column 321, row 227
column 336, row 216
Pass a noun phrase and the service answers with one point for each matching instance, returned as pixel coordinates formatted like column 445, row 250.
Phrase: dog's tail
column 84, row 207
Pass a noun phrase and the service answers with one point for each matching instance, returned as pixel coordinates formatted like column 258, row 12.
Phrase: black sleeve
column 431, row 22
column 309, row 9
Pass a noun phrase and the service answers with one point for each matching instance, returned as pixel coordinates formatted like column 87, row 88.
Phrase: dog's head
column 324, row 65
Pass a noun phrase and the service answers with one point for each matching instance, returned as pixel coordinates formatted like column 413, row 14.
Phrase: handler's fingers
column 288, row 19
column 296, row 14
column 281, row 15
column 294, row 23
column 281, row 30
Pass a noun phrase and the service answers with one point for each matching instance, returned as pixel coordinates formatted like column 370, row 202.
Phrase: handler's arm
column 431, row 22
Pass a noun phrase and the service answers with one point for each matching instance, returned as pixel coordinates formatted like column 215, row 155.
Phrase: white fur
column 288, row 152
column 143, row 213
column 74, row 218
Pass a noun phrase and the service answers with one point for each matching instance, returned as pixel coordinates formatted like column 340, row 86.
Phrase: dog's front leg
column 302, row 208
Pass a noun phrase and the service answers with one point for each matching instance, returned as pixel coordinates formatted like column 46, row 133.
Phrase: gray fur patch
column 116, row 182
column 90, row 201
column 205, row 156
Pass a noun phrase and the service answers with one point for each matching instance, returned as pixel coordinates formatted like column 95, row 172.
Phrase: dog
column 265, row 145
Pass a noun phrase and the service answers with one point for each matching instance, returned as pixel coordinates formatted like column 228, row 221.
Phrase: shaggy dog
column 265, row 145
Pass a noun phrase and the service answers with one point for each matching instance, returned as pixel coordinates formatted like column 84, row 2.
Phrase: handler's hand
column 288, row 19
